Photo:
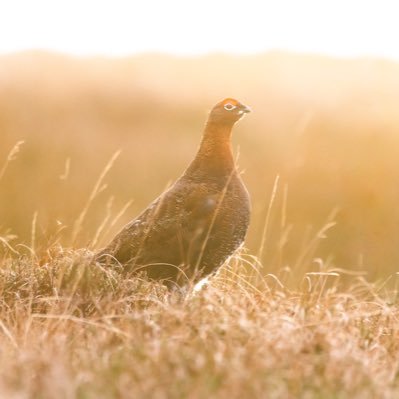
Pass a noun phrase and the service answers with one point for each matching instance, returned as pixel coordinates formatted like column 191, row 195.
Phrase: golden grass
column 73, row 330
column 308, row 319
column 326, row 127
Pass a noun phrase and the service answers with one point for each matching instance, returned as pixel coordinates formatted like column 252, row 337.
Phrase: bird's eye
column 229, row 107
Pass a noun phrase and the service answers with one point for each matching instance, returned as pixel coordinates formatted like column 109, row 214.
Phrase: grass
column 327, row 127
column 307, row 318
column 73, row 330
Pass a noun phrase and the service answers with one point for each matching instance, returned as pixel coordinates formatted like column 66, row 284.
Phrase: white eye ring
column 229, row 107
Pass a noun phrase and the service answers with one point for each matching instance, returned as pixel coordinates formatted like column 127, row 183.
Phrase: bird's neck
column 215, row 155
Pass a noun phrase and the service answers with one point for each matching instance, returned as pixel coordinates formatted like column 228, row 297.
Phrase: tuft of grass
column 71, row 329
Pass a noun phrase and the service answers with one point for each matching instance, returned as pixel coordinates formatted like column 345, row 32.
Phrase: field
column 73, row 331
column 308, row 309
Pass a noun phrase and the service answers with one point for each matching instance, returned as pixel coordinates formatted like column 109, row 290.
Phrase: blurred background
column 81, row 81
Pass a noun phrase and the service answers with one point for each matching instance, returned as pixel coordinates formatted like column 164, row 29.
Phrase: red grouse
column 190, row 230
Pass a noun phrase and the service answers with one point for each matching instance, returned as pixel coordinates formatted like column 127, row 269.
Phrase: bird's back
column 187, row 232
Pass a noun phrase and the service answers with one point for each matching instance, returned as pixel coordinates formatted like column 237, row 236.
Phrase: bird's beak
column 245, row 109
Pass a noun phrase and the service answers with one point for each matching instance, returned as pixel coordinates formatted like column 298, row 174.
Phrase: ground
column 69, row 329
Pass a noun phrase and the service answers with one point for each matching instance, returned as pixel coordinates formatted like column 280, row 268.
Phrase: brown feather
column 192, row 228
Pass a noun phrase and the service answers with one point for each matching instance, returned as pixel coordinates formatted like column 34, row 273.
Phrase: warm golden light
column 96, row 121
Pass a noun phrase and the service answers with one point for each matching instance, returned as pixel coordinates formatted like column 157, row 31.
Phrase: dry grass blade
column 96, row 190
column 11, row 157
column 267, row 219
column 6, row 243
column 8, row 334
column 33, row 233
column 102, row 228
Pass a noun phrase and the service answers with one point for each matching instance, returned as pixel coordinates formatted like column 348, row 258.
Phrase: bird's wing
column 174, row 219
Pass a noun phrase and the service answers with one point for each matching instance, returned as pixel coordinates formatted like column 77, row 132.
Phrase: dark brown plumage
column 192, row 228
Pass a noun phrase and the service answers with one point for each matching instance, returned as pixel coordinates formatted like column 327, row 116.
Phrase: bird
column 192, row 228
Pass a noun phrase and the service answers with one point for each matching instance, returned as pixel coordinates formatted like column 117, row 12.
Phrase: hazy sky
column 120, row 27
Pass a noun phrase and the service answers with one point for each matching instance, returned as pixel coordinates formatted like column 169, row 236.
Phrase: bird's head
column 228, row 111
